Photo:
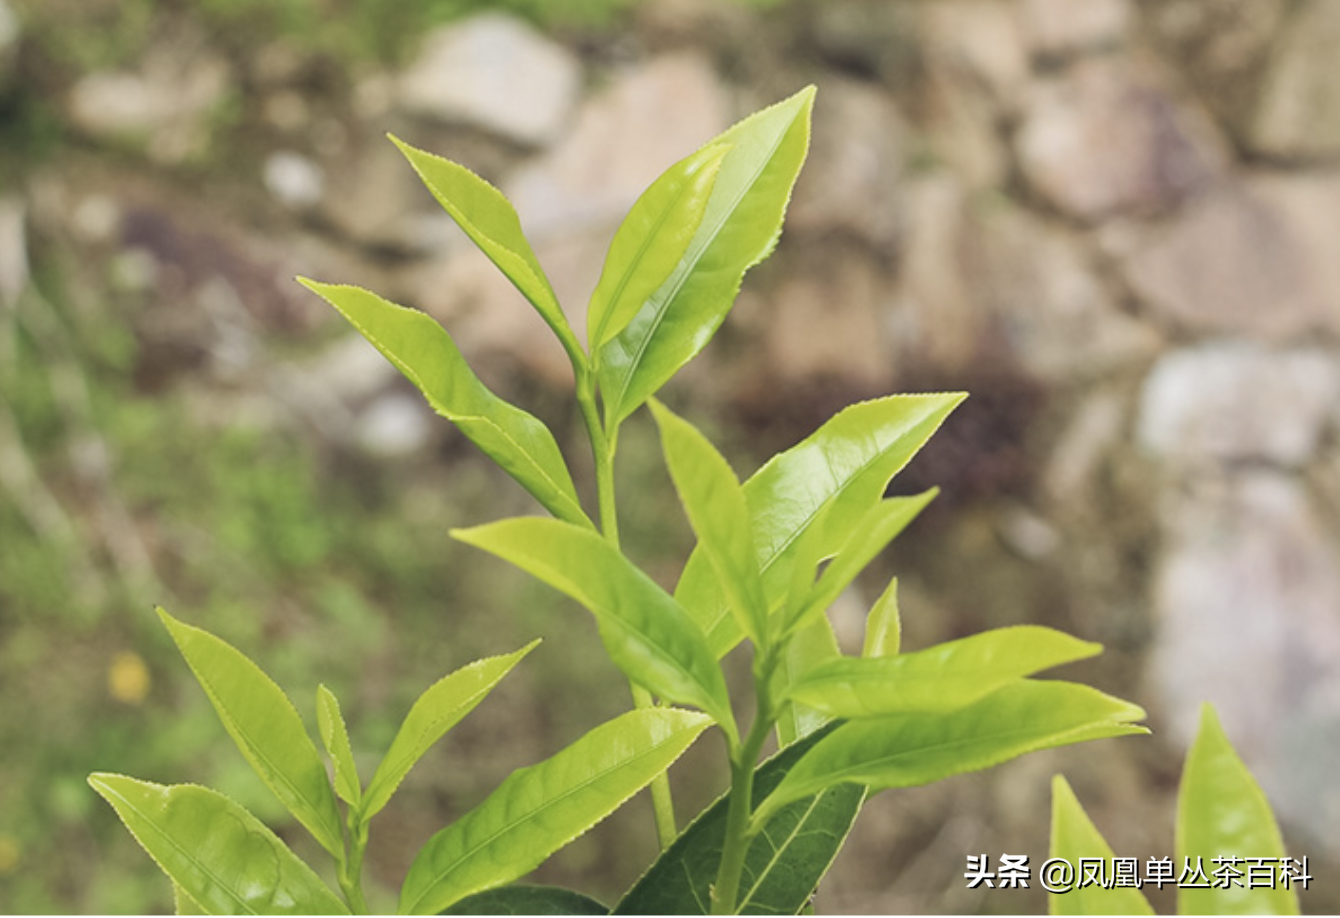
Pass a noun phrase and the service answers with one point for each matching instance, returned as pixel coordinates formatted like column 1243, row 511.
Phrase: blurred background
column 1113, row 222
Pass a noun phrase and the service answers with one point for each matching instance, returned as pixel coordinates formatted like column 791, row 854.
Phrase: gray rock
column 1246, row 597
column 496, row 73
column 294, row 180
column 395, row 425
column 1254, row 258
column 1061, row 27
column 1237, row 401
column 1298, row 113
column 1105, row 137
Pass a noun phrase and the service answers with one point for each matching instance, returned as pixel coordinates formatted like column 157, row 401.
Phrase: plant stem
column 726, row 889
column 351, row 867
column 603, row 445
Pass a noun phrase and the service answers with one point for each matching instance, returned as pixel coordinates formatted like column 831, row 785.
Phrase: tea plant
column 772, row 554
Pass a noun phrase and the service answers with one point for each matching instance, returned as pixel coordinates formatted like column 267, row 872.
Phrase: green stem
column 726, row 889
column 602, row 447
column 351, row 867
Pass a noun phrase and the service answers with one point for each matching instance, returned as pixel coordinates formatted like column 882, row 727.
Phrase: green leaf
column 880, row 525
column 829, row 480
column 183, row 904
column 525, row 899
column 335, row 737
column 716, row 508
column 223, row 858
column 422, row 350
column 940, row 678
column 904, row 750
column 539, row 809
column 645, row 632
column 1222, row 812
column 738, row 230
column 883, row 626
column 266, row 727
column 435, row 712
column 783, row 865
column 490, row 221
column 650, row 242
column 816, row 643
column 1074, row 836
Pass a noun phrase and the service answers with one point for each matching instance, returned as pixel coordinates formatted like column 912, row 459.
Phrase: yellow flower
column 128, row 678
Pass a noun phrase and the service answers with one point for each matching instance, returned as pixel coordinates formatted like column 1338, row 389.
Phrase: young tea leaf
column 436, row 711
column 335, row 737
column 1074, row 836
column 783, row 865
column 911, row 749
column 644, row 630
column 830, row 479
column 883, row 626
column 266, row 727
column 525, row 899
column 738, row 230
column 421, row 349
column 716, row 508
column 221, row 857
column 1221, row 811
column 539, row 809
column 490, row 221
column 813, row 645
column 650, row 242
column 940, row 678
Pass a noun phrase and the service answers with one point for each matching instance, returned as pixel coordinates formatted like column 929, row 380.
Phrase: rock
column 395, row 425
column 1246, row 597
column 1255, row 258
column 1104, row 138
column 1238, row 402
column 851, row 182
column 294, row 180
column 166, row 103
column 878, row 40
column 1058, row 28
column 496, row 73
column 980, row 38
column 1298, row 113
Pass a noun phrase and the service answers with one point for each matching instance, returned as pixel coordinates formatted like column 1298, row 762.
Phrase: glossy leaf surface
column 1222, row 812
column 335, row 737
column 940, row 678
column 650, row 242
column 491, row 222
column 813, row 645
column 525, row 899
column 783, row 866
column 912, row 749
column 884, row 626
column 880, row 525
column 739, row 229
column 716, row 508
column 266, row 727
column 830, row 479
column 539, row 809
column 435, row 712
column 223, row 858
column 647, row 635
column 422, row 350
column 1074, row 837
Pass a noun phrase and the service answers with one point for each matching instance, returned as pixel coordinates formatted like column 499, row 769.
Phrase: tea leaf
column 539, row 809
column 940, row 678
column 435, row 712
column 650, row 242
column 645, row 632
column 421, row 349
column 490, row 221
column 880, row 525
column 1074, row 836
column 266, row 727
column 784, row 864
column 830, row 479
column 716, row 508
column 812, row 645
column 738, row 230
column 335, row 737
column 222, row 858
column 1221, row 811
column 904, row 750
column 883, row 625
column 525, row 899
